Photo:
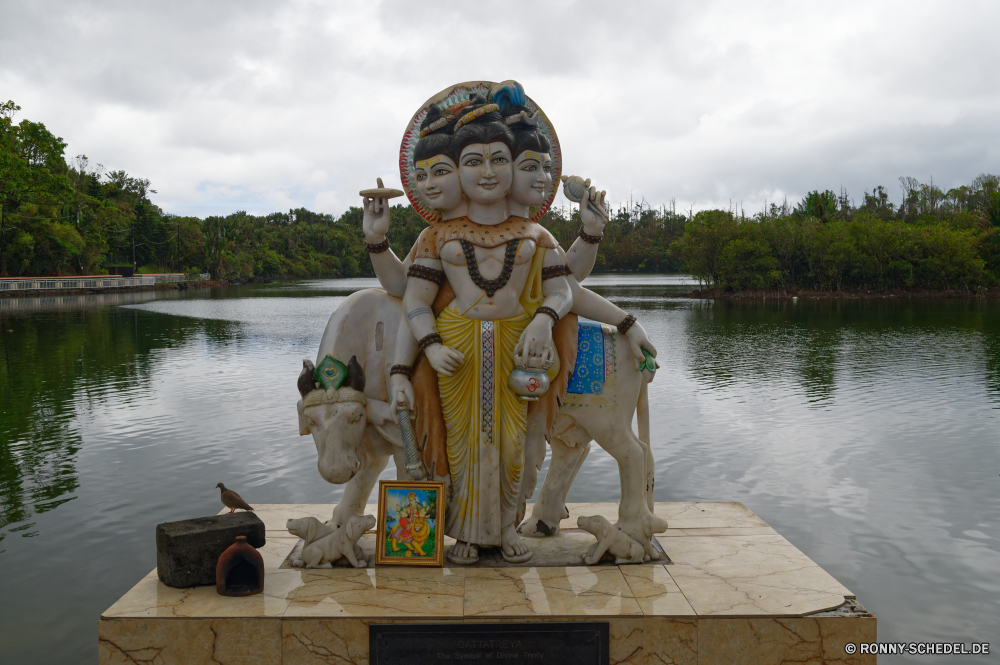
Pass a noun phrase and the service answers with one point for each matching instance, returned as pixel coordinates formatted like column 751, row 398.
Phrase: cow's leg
column 534, row 456
column 618, row 439
column 356, row 492
column 570, row 445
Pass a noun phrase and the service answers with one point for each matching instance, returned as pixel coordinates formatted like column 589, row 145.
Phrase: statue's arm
column 581, row 258
column 583, row 253
column 589, row 305
column 557, row 290
column 418, row 296
column 391, row 272
column 417, row 300
column 535, row 348
column 405, row 354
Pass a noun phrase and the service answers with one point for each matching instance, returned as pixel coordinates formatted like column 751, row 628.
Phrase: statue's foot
column 463, row 554
column 512, row 547
column 536, row 527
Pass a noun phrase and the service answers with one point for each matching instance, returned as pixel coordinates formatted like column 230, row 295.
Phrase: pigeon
column 231, row 499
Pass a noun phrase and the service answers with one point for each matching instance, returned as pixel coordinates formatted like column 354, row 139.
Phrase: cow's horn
column 355, row 375
column 306, row 383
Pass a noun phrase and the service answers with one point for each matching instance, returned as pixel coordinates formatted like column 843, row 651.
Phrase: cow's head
column 335, row 413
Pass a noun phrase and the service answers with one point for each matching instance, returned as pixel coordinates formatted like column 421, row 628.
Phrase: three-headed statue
column 485, row 289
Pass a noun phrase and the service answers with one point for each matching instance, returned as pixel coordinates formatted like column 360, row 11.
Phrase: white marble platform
column 735, row 591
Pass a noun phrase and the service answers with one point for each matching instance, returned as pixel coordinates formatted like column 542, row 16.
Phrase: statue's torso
column 470, row 299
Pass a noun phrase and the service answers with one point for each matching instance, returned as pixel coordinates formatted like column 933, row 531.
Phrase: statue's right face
column 438, row 184
column 486, row 172
column 532, row 178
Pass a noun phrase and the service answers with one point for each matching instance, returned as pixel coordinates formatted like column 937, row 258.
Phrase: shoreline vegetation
column 60, row 218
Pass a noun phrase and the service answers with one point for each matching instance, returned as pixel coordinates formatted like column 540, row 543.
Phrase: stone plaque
column 579, row 643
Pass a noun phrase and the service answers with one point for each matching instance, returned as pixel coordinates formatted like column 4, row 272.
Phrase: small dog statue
column 309, row 529
column 323, row 552
column 609, row 539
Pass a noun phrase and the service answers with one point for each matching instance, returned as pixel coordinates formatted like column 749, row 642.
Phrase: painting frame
column 390, row 493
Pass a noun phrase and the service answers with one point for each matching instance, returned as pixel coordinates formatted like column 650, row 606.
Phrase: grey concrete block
column 187, row 551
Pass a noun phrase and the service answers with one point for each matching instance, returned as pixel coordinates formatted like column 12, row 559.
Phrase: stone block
column 187, row 551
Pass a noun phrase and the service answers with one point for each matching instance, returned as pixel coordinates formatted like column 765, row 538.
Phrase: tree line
column 75, row 218
column 931, row 240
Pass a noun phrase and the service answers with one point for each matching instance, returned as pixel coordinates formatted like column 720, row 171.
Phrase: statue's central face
column 438, row 184
column 532, row 178
column 486, row 172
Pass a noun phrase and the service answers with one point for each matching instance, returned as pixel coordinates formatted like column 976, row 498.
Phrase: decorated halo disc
column 456, row 94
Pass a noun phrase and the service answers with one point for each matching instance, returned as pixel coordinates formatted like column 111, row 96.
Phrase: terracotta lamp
column 240, row 571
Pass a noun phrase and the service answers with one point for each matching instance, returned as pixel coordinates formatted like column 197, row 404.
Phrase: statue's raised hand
column 593, row 214
column 444, row 359
column 375, row 222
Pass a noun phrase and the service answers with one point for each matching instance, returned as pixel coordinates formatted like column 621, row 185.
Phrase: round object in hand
column 574, row 188
column 381, row 191
column 527, row 383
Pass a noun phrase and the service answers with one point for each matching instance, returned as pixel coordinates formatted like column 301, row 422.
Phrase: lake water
column 866, row 433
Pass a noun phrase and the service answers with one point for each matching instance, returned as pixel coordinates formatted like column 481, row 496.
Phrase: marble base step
column 733, row 591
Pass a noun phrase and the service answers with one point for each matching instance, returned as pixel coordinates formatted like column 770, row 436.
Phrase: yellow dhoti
column 485, row 424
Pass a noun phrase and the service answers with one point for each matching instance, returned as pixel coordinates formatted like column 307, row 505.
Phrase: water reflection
column 865, row 432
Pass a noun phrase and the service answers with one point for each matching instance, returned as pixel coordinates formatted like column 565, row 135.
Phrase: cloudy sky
column 266, row 106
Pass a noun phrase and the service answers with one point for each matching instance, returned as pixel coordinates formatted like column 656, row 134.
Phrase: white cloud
column 263, row 107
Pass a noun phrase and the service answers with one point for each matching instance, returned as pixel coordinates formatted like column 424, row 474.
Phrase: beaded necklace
column 491, row 286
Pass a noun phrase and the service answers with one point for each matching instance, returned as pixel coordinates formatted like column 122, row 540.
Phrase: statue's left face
column 532, row 178
column 486, row 172
column 438, row 184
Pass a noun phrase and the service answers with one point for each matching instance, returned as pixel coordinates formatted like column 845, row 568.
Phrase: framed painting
column 410, row 523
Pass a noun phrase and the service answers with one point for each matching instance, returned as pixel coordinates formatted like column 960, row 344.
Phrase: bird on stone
column 231, row 499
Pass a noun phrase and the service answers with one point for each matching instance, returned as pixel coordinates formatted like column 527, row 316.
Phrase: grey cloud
column 254, row 105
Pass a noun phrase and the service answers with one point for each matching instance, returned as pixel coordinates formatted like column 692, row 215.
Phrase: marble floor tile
column 275, row 549
column 764, row 556
column 779, row 641
column 783, row 594
column 707, row 514
column 565, row 591
column 655, row 591
column 152, row 598
column 741, row 550
column 384, row 592
column 189, row 641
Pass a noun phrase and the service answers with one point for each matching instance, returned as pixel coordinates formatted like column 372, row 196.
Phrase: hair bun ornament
column 436, row 119
column 523, row 117
column 508, row 93
column 475, row 113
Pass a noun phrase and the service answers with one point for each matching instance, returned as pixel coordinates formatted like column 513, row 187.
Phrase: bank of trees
column 932, row 240
column 73, row 218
